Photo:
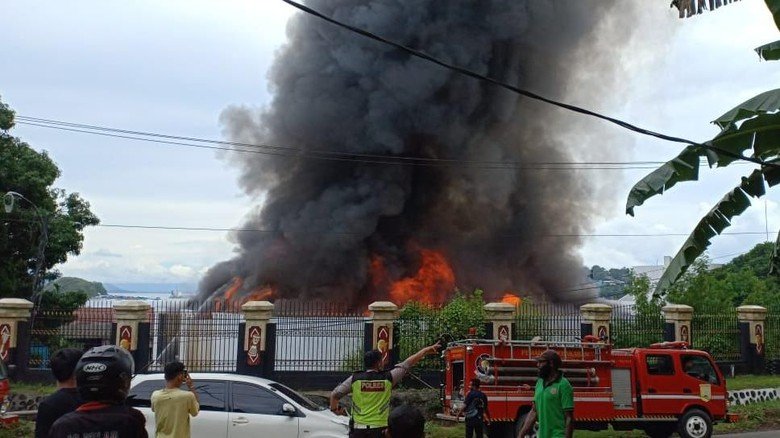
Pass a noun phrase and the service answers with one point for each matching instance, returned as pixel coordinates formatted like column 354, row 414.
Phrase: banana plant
column 750, row 129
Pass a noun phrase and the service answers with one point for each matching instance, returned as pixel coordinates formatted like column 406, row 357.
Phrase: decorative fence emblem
column 383, row 341
column 503, row 333
column 760, row 339
column 126, row 337
column 253, row 353
column 5, row 341
column 603, row 333
column 685, row 334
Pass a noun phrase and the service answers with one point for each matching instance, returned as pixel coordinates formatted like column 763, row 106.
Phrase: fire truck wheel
column 695, row 424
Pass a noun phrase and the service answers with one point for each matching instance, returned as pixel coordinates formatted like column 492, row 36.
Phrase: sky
column 172, row 67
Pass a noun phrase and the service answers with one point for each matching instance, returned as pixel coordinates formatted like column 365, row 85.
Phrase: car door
column 256, row 411
column 660, row 388
column 212, row 419
column 702, row 383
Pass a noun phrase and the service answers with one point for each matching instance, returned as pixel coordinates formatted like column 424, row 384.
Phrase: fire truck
column 662, row 389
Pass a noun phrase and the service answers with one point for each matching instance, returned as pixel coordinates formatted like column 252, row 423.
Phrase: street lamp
column 9, row 201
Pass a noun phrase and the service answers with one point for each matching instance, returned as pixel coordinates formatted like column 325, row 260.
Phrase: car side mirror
column 288, row 409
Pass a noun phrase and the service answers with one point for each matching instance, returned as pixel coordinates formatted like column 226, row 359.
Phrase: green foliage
column 54, row 312
column 352, row 362
column 643, row 324
column 752, row 128
column 23, row 428
column 420, row 324
column 744, row 280
column 74, row 284
column 612, row 282
column 32, row 174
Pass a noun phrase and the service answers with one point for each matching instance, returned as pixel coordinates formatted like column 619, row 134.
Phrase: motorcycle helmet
column 104, row 373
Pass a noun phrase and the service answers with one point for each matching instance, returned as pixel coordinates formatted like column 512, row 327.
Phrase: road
column 762, row 434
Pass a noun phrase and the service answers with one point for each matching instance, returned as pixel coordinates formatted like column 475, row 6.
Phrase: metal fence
column 318, row 336
column 552, row 322
column 717, row 334
column 83, row 328
column 772, row 331
column 204, row 336
column 631, row 327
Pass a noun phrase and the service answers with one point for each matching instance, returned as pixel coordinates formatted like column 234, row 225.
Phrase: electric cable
column 523, row 92
column 332, row 155
column 326, row 155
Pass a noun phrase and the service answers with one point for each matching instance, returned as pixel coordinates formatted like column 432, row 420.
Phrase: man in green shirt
column 553, row 400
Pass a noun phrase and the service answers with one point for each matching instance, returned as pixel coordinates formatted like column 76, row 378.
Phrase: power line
column 521, row 91
column 348, row 233
column 292, row 151
column 282, row 151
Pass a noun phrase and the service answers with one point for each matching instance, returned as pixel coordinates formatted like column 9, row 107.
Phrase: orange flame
column 260, row 293
column 432, row 284
column 510, row 298
column 233, row 288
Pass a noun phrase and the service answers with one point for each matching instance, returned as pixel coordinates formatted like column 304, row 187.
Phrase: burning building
column 394, row 178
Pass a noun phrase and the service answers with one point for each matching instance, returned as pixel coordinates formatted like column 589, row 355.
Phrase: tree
column 32, row 174
column 752, row 126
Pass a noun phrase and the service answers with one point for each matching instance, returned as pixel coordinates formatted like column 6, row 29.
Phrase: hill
column 71, row 284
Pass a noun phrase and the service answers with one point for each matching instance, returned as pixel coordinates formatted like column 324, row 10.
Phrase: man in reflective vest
column 370, row 391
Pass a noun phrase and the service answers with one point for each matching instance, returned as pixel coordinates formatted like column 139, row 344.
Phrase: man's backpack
column 472, row 411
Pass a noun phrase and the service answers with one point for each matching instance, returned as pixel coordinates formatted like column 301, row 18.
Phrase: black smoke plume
column 334, row 90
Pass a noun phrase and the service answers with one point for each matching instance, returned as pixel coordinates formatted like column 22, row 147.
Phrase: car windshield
column 298, row 398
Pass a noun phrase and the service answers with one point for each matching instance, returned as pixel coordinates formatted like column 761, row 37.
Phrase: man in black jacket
column 103, row 378
column 66, row 398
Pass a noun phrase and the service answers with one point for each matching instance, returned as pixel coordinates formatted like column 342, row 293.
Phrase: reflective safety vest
column 371, row 398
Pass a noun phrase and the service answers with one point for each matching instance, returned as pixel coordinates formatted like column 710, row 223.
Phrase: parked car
column 238, row 406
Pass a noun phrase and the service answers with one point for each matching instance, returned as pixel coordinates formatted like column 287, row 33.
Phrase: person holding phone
column 173, row 406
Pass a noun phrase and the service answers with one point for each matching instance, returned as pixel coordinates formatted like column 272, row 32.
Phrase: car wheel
column 519, row 425
column 695, row 424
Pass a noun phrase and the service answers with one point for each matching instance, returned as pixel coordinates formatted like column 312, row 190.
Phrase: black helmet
column 104, row 373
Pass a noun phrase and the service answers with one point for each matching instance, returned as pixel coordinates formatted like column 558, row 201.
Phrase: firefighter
column 370, row 391
column 103, row 379
column 553, row 403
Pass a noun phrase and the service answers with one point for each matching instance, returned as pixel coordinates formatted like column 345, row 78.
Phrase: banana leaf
column 774, row 8
column 769, row 52
column 761, row 134
column 713, row 223
column 766, row 102
column 684, row 167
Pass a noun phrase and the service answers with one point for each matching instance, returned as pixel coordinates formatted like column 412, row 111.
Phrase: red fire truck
column 661, row 389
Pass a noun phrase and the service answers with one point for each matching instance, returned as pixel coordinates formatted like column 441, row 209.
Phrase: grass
column 753, row 382
column 765, row 415
column 21, row 429
column 32, row 388
column 757, row 416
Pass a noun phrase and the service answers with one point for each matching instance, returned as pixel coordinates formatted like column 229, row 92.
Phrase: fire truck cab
column 662, row 389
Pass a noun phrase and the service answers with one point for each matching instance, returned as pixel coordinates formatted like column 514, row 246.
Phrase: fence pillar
column 14, row 326
column 595, row 320
column 677, row 323
column 752, row 336
column 256, row 343
column 132, row 331
column 383, row 316
column 500, row 319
